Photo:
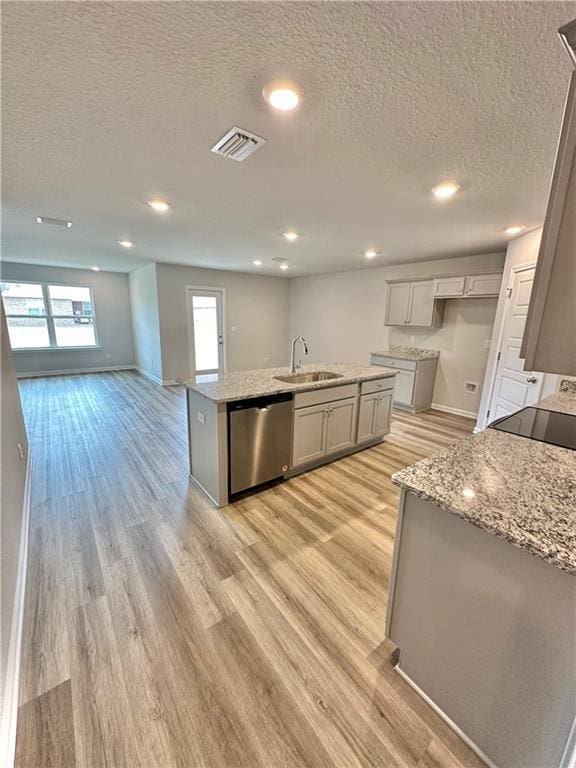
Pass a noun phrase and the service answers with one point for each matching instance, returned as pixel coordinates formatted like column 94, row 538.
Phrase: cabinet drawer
column 377, row 385
column 324, row 395
column 394, row 362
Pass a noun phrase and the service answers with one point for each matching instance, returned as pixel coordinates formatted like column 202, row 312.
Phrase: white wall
column 112, row 310
column 256, row 317
column 146, row 321
column 521, row 251
column 12, row 483
column 342, row 317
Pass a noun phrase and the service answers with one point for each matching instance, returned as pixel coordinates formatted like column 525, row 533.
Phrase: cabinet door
column 421, row 304
column 382, row 415
column 404, row 389
column 398, row 303
column 483, row 285
column 366, row 417
column 448, row 287
column 340, row 425
column 308, row 442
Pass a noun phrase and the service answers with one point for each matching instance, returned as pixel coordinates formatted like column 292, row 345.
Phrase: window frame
column 50, row 317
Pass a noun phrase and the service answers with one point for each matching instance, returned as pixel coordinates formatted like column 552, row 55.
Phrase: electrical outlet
column 201, row 417
column 412, row 339
column 470, row 386
column 266, row 359
column 20, row 451
column 108, row 355
column 486, row 343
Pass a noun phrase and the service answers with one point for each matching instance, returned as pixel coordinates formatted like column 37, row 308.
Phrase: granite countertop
column 223, row 388
column 520, row 490
column 409, row 353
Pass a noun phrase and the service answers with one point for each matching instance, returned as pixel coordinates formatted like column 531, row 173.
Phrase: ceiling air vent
column 53, row 222
column 237, row 144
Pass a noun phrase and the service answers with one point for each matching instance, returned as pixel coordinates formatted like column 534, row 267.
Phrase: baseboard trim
column 74, row 371
column 149, row 376
column 156, row 380
column 12, row 682
column 455, row 411
column 474, row 747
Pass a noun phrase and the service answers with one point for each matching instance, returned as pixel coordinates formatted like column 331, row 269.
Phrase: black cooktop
column 538, row 424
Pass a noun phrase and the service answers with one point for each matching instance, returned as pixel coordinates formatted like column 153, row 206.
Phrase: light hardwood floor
column 160, row 631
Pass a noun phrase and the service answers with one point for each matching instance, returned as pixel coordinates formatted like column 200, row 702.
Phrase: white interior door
column 206, row 343
column 514, row 388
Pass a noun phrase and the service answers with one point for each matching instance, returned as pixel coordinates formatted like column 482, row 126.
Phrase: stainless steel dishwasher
column 260, row 432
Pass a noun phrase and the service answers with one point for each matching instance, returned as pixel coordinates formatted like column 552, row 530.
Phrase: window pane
column 23, row 299
column 71, row 300
column 74, row 332
column 205, row 333
column 21, row 289
column 27, row 332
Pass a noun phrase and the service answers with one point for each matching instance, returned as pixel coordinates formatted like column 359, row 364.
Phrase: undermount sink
column 304, row 378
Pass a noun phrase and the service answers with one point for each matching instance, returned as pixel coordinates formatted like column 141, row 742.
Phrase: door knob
column 531, row 379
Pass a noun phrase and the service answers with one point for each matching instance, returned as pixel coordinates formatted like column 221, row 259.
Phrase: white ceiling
column 108, row 104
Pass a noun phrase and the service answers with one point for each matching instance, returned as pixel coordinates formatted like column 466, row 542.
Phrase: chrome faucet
column 293, row 365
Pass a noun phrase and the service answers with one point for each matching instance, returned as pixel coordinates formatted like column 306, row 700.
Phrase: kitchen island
column 482, row 601
column 249, row 427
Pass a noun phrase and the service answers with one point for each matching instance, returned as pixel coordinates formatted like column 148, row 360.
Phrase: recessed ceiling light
column 284, row 266
column 370, row 254
column 96, row 269
column 282, row 95
column 290, row 235
column 445, row 190
column 125, row 243
column 161, row 206
column 257, row 263
column 515, row 230
column 468, row 493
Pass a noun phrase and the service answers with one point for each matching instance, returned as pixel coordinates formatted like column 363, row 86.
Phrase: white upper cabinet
column 483, row 285
column 419, row 303
column 411, row 303
column 448, row 287
column 398, row 303
column 549, row 342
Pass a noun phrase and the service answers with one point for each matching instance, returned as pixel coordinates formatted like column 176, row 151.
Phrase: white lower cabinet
column 404, row 389
column 355, row 416
column 340, row 424
column 374, row 416
column 320, row 430
column 308, row 443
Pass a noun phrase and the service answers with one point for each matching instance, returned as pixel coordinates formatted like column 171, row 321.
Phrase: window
column 44, row 316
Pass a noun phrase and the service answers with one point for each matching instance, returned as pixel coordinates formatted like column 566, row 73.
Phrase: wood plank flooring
column 160, row 631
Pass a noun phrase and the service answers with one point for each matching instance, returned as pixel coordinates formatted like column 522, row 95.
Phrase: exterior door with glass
column 206, row 343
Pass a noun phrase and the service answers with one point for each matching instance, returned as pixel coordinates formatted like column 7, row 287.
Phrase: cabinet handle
column 531, row 379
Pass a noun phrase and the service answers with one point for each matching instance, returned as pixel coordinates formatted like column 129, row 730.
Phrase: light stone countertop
column 408, row 353
column 520, row 490
column 240, row 385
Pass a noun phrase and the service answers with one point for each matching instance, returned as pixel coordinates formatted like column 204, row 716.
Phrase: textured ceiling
column 108, row 104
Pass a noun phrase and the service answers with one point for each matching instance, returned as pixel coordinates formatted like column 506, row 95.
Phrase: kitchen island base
column 487, row 632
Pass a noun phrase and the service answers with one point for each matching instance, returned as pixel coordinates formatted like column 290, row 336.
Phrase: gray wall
column 112, row 310
column 256, row 317
column 12, row 483
column 342, row 317
column 146, row 321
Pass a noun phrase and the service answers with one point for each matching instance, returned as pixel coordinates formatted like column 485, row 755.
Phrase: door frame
column 514, row 272
column 190, row 324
